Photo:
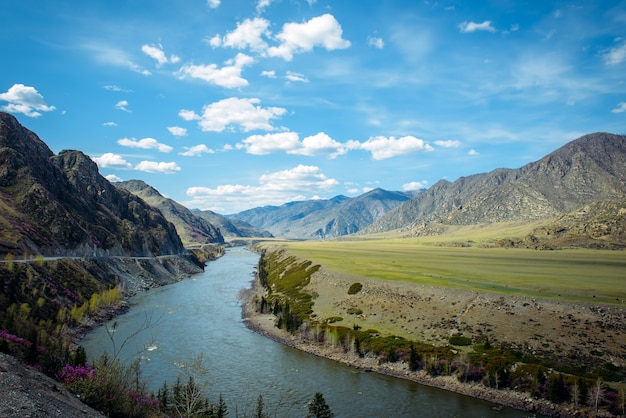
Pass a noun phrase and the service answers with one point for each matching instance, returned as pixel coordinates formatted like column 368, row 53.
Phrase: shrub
column 460, row 340
column 355, row 311
column 355, row 288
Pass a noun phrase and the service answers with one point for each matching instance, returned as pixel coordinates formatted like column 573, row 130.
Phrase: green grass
column 578, row 275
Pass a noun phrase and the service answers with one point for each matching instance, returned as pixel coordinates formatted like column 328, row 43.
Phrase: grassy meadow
column 576, row 275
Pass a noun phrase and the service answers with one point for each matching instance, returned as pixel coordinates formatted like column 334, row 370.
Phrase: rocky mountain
column 191, row 228
column 231, row 227
column 584, row 171
column 315, row 219
column 60, row 204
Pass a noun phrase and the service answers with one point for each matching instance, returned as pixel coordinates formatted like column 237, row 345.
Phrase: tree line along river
column 202, row 314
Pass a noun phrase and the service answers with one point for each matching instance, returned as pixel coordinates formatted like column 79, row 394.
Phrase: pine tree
column 222, row 409
column 318, row 408
column 414, row 360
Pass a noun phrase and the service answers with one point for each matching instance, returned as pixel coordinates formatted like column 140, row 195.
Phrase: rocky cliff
column 60, row 204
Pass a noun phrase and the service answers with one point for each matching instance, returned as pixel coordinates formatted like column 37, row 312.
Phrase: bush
column 355, row 288
column 355, row 311
column 460, row 340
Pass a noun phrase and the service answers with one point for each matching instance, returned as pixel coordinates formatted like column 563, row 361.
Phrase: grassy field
column 576, row 275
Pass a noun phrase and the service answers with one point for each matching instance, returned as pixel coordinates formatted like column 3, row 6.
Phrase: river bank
column 264, row 324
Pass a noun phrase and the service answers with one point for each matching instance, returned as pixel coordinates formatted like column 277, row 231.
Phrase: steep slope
column 231, row 227
column 315, row 219
column 60, row 204
column 581, row 172
column 192, row 229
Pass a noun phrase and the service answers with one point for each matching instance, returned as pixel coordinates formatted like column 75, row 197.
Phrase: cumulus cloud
column 156, row 52
column 213, row 4
column 615, row 55
column 144, row 143
column 269, row 74
column 269, row 143
column 248, row 34
column 122, row 105
column 320, row 144
column 472, row 152
column 288, row 142
column 234, row 112
column 177, row 130
column 414, row 185
column 621, row 108
column 298, row 183
column 321, row 31
column 26, row 100
column 468, row 27
column 158, row 167
column 113, row 178
column 110, row 160
column 109, row 124
column 450, row 143
column 228, row 76
column 117, row 88
column 376, row 42
column 383, row 147
column 197, row 150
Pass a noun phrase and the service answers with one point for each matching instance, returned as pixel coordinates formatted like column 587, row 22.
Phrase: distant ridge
column 324, row 218
column 191, row 228
column 584, row 171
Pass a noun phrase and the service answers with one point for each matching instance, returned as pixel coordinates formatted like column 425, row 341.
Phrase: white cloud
column 144, row 143
column 621, row 108
column 387, row 147
column 262, row 4
column 615, row 55
column 113, row 178
column 110, row 160
column 229, row 76
column 468, row 27
column 414, row 185
column 156, row 52
column 320, row 144
column 450, row 143
column 272, row 189
column 197, row 150
column 323, row 31
column 248, row 34
column 213, row 4
column 177, row 130
column 292, row 76
column 232, row 112
column 158, row 167
column 122, row 105
column 26, row 100
column 117, row 88
column 472, row 152
column 109, row 124
column 269, row 143
column 269, row 74
column 112, row 56
column 375, row 42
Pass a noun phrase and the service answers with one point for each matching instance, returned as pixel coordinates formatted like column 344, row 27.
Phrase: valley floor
column 546, row 328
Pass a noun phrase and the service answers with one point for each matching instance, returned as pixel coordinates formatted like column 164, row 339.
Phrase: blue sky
column 232, row 104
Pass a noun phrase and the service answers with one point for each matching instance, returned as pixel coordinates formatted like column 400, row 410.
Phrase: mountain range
column 324, row 218
column 587, row 170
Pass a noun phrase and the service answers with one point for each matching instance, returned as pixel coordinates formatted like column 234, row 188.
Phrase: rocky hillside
column 60, row 204
column 315, row 219
column 584, row 171
column 232, row 228
column 191, row 228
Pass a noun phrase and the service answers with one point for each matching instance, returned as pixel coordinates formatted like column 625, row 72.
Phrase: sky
column 227, row 105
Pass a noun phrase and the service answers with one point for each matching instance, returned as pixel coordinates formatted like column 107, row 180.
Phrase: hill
column 587, row 170
column 232, row 228
column 191, row 228
column 60, row 204
column 324, row 218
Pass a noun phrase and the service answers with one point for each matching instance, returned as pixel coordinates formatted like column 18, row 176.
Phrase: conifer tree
column 318, row 408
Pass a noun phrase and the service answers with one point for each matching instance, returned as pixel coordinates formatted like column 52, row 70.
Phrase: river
column 203, row 314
